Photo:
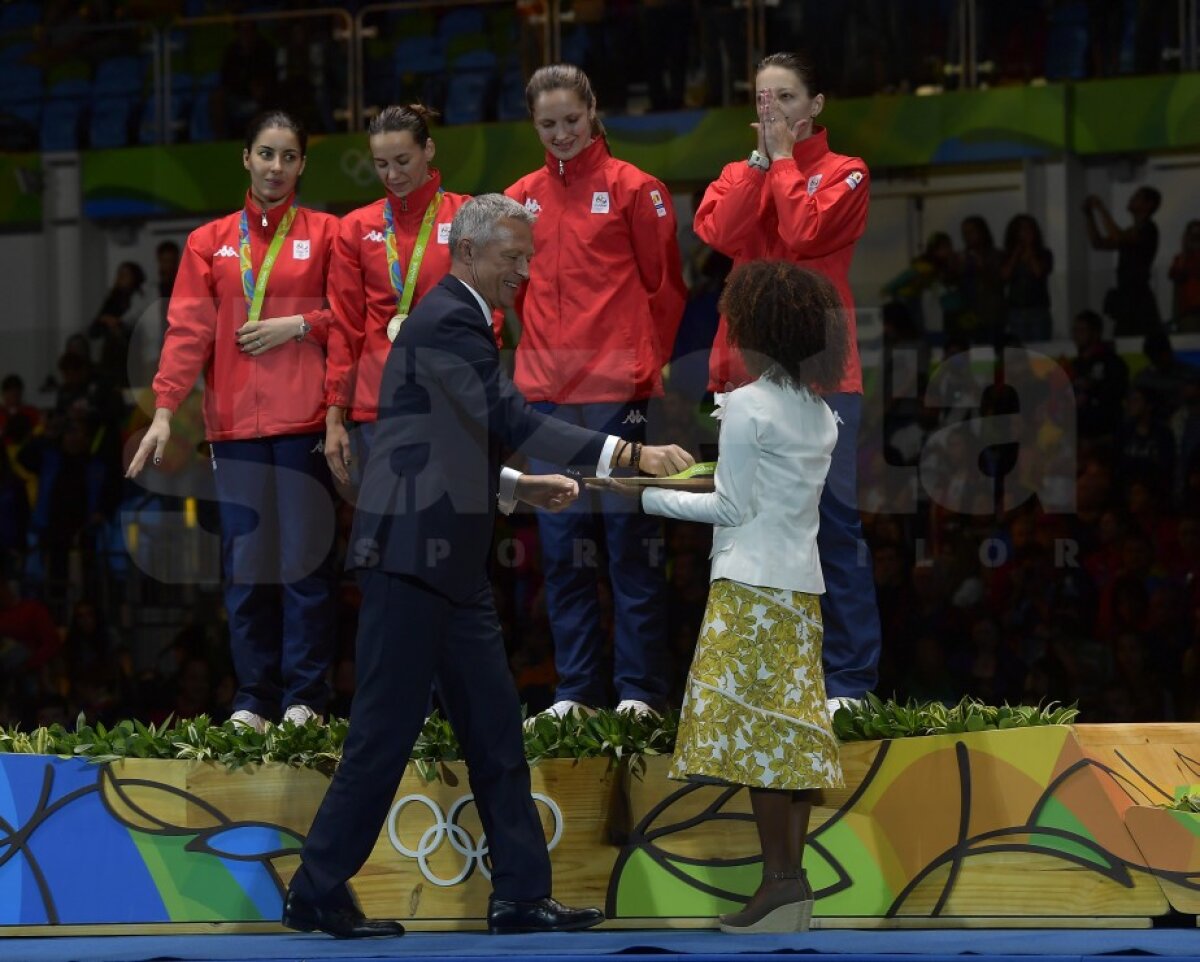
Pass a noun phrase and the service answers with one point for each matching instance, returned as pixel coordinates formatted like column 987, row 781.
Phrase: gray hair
column 477, row 219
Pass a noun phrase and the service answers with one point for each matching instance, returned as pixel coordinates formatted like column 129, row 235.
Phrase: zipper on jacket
column 404, row 204
column 562, row 171
column 263, row 211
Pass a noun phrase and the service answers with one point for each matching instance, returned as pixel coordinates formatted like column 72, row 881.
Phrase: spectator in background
column 1145, row 446
column 113, row 325
column 14, row 500
column 166, row 256
column 12, row 404
column 1026, row 269
column 981, row 282
column 1100, row 378
column 599, row 317
column 1185, row 277
column 1185, row 426
column 1166, row 376
column 29, row 638
column 95, row 665
column 935, row 268
column 1131, row 304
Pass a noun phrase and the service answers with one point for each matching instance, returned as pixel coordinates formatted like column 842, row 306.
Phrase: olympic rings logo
column 356, row 164
column 445, row 828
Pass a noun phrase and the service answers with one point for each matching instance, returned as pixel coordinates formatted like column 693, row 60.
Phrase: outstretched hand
column 660, row 460
column 550, row 492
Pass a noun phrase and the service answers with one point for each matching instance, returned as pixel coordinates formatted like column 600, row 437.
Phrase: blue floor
column 843, row 945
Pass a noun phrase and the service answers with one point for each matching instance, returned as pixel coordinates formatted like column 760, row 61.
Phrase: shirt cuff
column 506, row 496
column 603, row 469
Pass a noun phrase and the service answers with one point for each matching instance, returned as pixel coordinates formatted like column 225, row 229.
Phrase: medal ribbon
column 405, row 291
column 256, row 289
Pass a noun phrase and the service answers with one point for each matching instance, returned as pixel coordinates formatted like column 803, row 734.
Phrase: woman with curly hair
column 754, row 708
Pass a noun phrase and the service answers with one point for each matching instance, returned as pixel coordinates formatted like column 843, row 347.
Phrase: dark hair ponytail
column 276, row 118
column 415, row 118
column 799, row 64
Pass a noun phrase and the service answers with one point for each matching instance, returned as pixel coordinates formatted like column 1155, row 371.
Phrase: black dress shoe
column 341, row 921
column 539, row 915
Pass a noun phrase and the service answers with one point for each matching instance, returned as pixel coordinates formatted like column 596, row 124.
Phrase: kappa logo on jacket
column 301, row 249
column 813, row 183
column 225, row 251
column 374, row 235
column 532, row 205
column 600, row 202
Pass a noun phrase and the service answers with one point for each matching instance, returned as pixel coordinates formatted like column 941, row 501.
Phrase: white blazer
column 774, row 453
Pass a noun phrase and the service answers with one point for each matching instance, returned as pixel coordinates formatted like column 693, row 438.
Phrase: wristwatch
column 305, row 327
column 759, row 161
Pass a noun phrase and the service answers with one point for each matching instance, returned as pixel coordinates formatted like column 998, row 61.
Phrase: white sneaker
column 560, row 709
column 301, row 715
column 248, row 719
column 833, row 704
column 636, row 708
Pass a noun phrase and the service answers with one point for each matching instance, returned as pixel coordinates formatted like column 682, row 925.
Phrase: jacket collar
column 808, row 151
column 412, row 206
column 588, row 159
column 254, row 214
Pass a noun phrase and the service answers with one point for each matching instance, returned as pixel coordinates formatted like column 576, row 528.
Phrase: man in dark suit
column 421, row 539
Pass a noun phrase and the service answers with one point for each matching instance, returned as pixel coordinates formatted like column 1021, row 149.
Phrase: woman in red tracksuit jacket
column 599, row 317
column 248, row 310
column 796, row 200
column 386, row 256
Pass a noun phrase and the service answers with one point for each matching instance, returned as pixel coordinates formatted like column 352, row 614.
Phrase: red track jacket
column 810, row 210
column 279, row 392
column 606, row 293
column 361, row 292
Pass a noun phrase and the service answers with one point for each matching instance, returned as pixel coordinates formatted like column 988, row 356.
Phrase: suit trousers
column 275, row 499
column 850, row 650
column 408, row 636
column 635, row 547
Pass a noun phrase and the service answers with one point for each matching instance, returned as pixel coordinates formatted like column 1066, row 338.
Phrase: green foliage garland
column 605, row 734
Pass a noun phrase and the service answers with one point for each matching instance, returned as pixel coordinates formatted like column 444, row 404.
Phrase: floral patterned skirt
column 754, row 710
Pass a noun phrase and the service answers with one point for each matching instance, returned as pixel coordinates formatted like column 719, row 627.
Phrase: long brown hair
column 565, row 76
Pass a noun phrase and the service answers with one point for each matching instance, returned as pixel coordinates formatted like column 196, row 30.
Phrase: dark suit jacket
column 427, row 503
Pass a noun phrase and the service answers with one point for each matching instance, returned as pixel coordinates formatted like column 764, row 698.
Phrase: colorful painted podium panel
column 991, row 825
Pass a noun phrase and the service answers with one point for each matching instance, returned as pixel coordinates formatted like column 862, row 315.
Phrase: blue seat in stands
column 21, row 82
column 108, row 123
column 511, row 103
column 70, row 88
column 418, row 55
column 200, row 128
column 119, row 75
column 455, row 23
column 60, row 125
column 18, row 16
column 469, row 87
